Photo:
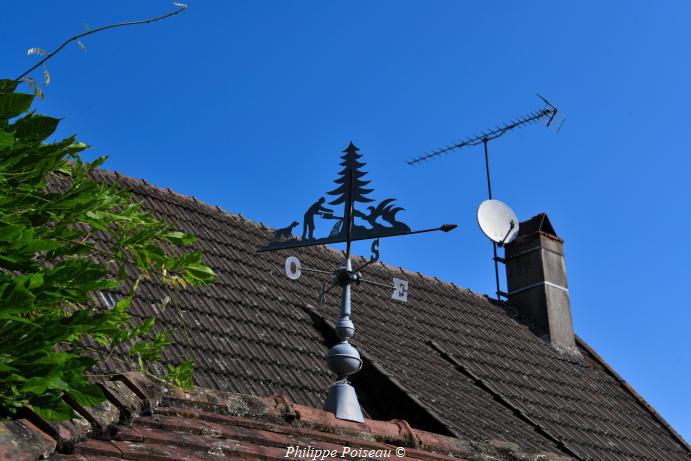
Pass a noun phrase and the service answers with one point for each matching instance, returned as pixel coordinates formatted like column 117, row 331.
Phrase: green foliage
column 63, row 238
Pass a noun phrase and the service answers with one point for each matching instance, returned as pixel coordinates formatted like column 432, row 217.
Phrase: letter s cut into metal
column 375, row 251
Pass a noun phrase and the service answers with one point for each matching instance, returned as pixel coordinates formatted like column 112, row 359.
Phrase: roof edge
column 628, row 388
column 191, row 199
column 281, row 410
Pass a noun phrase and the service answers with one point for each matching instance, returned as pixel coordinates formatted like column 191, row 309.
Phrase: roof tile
column 250, row 333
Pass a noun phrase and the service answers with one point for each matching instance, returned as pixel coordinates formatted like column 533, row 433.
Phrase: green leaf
column 181, row 375
column 143, row 328
column 39, row 384
column 13, row 104
column 5, row 367
column 6, row 140
column 201, row 273
column 4, row 315
column 17, row 297
column 10, row 232
column 88, row 395
column 36, row 246
column 35, row 127
column 8, row 86
column 179, row 238
column 54, row 410
column 77, row 147
column 35, row 281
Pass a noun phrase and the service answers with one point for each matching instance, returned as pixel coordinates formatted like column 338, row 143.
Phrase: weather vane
column 378, row 222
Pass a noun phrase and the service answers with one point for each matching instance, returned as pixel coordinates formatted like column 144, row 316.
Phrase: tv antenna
column 379, row 222
column 548, row 113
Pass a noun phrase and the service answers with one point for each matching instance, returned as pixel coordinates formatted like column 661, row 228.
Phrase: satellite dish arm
column 511, row 226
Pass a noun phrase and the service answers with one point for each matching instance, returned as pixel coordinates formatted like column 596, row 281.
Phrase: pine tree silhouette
column 351, row 169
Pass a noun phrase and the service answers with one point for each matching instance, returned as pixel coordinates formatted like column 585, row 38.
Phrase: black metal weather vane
column 378, row 222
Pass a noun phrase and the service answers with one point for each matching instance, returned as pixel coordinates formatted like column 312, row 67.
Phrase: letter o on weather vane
column 293, row 268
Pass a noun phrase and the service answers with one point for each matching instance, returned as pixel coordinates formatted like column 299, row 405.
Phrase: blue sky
column 247, row 105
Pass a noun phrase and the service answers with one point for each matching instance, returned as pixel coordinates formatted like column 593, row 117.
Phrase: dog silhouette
column 285, row 233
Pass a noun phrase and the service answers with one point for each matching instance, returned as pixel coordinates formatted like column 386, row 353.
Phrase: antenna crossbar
column 549, row 112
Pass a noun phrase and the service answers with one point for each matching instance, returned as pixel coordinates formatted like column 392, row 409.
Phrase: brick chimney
column 536, row 278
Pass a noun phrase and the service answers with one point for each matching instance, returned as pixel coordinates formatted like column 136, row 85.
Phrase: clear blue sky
column 247, row 104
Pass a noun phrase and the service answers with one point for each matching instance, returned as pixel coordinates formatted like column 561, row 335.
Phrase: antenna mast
column 549, row 113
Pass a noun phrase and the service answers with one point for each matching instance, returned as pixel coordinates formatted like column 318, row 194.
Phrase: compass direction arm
column 294, row 268
column 316, row 271
column 399, row 287
column 383, row 285
column 323, row 291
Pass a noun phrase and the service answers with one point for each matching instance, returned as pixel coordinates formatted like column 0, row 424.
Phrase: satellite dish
column 497, row 221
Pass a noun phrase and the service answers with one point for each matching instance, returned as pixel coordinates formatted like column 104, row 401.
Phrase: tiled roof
column 449, row 360
column 142, row 420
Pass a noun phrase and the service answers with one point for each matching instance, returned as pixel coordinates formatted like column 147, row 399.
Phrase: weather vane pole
column 380, row 221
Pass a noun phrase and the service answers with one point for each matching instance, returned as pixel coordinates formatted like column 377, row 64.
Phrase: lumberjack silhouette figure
column 308, row 222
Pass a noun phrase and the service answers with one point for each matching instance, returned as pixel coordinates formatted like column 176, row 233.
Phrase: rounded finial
column 344, row 360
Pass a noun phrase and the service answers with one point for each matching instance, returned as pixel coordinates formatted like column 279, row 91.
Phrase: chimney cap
column 538, row 224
